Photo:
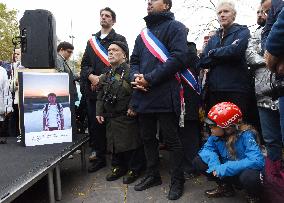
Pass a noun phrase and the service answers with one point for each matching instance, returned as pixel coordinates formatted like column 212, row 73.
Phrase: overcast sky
column 85, row 16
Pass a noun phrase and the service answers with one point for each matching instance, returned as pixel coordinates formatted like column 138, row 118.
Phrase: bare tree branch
column 212, row 3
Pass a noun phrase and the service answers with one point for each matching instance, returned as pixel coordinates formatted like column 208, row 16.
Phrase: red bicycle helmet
column 224, row 114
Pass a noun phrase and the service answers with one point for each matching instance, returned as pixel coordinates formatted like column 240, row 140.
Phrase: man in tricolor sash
column 94, row 63
column 159, row 53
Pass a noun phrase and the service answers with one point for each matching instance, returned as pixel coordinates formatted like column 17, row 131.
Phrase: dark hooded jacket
column 226, row 61
column 276, row 7
column 163, row 93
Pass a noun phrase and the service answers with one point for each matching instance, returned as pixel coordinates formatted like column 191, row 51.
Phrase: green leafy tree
column 75, row 63
column 8, row 30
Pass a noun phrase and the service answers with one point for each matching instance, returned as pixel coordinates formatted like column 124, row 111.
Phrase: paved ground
column 78, row 186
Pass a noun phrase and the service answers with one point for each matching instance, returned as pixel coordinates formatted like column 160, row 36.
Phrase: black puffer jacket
column 192, row 99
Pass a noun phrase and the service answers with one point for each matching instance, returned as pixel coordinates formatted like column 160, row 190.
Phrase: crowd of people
column 137, row 104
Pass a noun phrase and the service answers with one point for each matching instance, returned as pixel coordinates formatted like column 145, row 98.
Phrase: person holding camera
column 95, row 63
column 268, row 108
column 112, row 107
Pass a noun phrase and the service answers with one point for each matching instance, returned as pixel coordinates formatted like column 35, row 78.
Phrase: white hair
column 229, row 3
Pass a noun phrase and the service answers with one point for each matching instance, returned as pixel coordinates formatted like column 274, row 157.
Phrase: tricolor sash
column 156, row 47
column 100, row 51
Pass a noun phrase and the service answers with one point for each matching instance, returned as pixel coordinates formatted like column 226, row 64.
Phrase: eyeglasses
column 260, row 12
column 206, row 37
column 263, row 12
column 69, row 51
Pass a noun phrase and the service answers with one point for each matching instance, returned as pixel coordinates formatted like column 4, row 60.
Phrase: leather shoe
column 176, row 190
column 223, row 190
column 95, row 166
column 130, row 177
column 115, row 174
column 147, row 182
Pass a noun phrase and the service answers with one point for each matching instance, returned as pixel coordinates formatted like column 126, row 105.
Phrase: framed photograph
column 45, row 112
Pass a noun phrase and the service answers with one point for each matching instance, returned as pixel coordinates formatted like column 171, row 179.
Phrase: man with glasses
column 271, row 8
column 267, row 107
column 64, row 52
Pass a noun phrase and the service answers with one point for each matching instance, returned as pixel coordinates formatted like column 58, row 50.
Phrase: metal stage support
column 58, row 191
column 50, row 187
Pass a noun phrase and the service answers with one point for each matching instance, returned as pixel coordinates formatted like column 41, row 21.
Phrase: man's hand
column 93, row 88
column 140, row 83
column 100, row 119
column 280, row 67
column 215, row 174
column 131, row 113
column 7, row 114
column 94, row 79
column 271, row 61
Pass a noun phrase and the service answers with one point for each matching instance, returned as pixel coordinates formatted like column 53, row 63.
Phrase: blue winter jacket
column 225, row 57
column 275, row 40
column 248, row 155
column 163, row 94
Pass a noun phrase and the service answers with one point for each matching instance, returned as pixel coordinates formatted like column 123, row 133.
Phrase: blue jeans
column 271, row 131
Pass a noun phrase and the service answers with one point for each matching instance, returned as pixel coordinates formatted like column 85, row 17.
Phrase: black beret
column 123, row 46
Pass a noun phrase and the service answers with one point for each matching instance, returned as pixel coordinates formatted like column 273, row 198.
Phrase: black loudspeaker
column 38, row 39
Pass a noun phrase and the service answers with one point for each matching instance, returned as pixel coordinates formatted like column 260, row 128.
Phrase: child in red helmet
column 231, row 155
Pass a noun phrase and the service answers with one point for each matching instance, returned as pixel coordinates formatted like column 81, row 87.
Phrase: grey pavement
column 79, row 186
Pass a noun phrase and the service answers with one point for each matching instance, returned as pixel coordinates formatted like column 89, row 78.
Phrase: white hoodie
column 5, row 94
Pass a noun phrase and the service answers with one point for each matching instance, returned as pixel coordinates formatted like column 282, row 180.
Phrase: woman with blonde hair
column 231, row 155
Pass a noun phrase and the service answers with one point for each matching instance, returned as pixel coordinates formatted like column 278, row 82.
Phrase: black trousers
column 169, row 125
column 13, row 122
column 97, row 131
column 133, row 160
column 248, row 179
column 4, row 128
column 190, row 139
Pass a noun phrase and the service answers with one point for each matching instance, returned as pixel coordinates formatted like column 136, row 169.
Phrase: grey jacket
column 62, row 66
column 262, row 75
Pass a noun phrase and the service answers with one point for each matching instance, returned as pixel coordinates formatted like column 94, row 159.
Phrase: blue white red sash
column 160, row 51
column 100, row 51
